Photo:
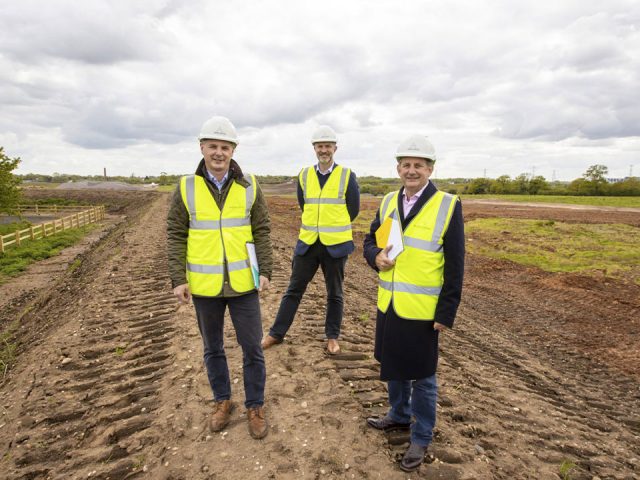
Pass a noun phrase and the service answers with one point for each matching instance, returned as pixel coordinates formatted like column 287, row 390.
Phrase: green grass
column 573, row 200
column 600, row 249
column 16, row 259
column 566, row 468
column 166, row 188
column 9, row 228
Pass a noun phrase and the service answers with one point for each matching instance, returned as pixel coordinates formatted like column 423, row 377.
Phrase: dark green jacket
column 178, row 228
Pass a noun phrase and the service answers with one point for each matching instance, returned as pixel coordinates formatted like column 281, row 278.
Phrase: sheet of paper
column 390, row 233
column 395, row 237
column 253, row 263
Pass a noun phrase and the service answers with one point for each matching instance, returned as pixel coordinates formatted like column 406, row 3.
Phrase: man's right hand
column 383, row 262
column 182, row 293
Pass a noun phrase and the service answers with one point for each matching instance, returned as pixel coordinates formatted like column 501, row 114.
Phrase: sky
column 499, row 87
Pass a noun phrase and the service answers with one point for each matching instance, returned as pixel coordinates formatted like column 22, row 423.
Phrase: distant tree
column 630, row 186
column 521, row 183
column 479, row 186
column 595, row 178
column 579, row 186
column 501, row 185
column 537, row 185
column 596, row 173
column 9, row 191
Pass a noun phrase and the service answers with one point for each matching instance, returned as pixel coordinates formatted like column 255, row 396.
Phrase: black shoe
column 413, row 457
column 386, row 423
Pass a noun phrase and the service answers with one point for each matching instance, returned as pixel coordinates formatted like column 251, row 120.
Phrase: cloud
column 484, row 80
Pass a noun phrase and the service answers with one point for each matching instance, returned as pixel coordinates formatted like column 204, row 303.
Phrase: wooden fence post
column 17, row 235
column 31, row 233
column 1, row 244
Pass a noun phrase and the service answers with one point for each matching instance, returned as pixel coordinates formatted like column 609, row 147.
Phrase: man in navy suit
column 419, row 292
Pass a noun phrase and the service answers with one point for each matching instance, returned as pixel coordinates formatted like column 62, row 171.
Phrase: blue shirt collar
column 215, row 181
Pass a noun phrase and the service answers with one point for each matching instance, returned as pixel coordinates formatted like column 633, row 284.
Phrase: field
column 633, row 202
column 107, row 381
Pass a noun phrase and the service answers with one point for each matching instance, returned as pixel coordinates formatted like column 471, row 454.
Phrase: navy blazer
column 453, row 250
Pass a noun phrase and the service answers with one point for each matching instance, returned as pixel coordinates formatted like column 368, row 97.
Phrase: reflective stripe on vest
column 218, row 237
column 325, row 213
column 415, row 282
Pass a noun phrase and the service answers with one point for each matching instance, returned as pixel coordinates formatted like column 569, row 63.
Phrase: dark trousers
column 245, row 316
column 303, row 268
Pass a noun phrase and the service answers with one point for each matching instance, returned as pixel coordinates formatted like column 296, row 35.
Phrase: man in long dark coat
column 418, row 294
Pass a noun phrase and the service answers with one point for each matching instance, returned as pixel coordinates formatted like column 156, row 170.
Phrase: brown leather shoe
column 333, row 348
column 221, row 415
column 270, row 341
column 257, row 423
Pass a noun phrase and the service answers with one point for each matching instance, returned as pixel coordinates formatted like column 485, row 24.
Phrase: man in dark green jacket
column 219, row 176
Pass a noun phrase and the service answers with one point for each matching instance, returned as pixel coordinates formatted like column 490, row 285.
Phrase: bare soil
column 109, row 381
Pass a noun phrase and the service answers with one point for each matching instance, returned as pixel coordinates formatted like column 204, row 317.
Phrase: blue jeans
column 245, row 316
column 417, row 398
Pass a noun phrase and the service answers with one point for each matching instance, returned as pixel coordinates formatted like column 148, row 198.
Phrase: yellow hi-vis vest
column 415, row 281
column 325, row 211
column 218, row 237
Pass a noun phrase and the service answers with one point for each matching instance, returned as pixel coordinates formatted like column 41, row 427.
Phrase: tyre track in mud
column 514, row 402
column 87, row 411
column 121, row 392
column 566, row 405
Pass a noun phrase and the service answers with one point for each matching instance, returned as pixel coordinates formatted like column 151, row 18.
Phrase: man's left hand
column 439, row 326
column 264, row 283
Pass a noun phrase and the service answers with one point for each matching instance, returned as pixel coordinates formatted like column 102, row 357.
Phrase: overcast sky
column 547, row 87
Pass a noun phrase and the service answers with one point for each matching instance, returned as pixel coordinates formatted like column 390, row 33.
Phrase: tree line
column 592, row 182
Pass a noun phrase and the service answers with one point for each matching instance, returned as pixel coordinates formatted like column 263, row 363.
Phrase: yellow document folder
column 390, row 233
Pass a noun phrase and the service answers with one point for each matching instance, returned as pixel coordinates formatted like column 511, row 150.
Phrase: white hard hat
column 324, row 133
column 218, row 128
column 416, row 146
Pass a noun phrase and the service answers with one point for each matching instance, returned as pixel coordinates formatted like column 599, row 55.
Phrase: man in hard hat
column 329, row 197
column 418, row 293
column 216, row 217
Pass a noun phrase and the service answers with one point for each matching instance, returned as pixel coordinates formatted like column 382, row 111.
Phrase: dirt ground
column 109, row 381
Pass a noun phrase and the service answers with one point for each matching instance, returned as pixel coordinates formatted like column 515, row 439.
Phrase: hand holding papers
column 390, row 234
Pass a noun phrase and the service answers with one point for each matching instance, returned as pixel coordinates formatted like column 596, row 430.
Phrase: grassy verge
column 16, row 259
column 166, row 188
column 8, row 228
column 601, row 249
column 595, row 201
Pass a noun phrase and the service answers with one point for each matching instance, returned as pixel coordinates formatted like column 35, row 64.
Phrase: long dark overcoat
column 408, row 349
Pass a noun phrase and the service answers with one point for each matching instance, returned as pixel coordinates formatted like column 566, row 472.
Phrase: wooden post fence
column 34, row 232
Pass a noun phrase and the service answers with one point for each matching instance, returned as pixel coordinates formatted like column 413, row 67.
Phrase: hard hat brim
column 414, row 155
column 219, row 137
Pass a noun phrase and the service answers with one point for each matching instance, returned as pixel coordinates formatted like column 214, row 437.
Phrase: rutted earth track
column 118, row 389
